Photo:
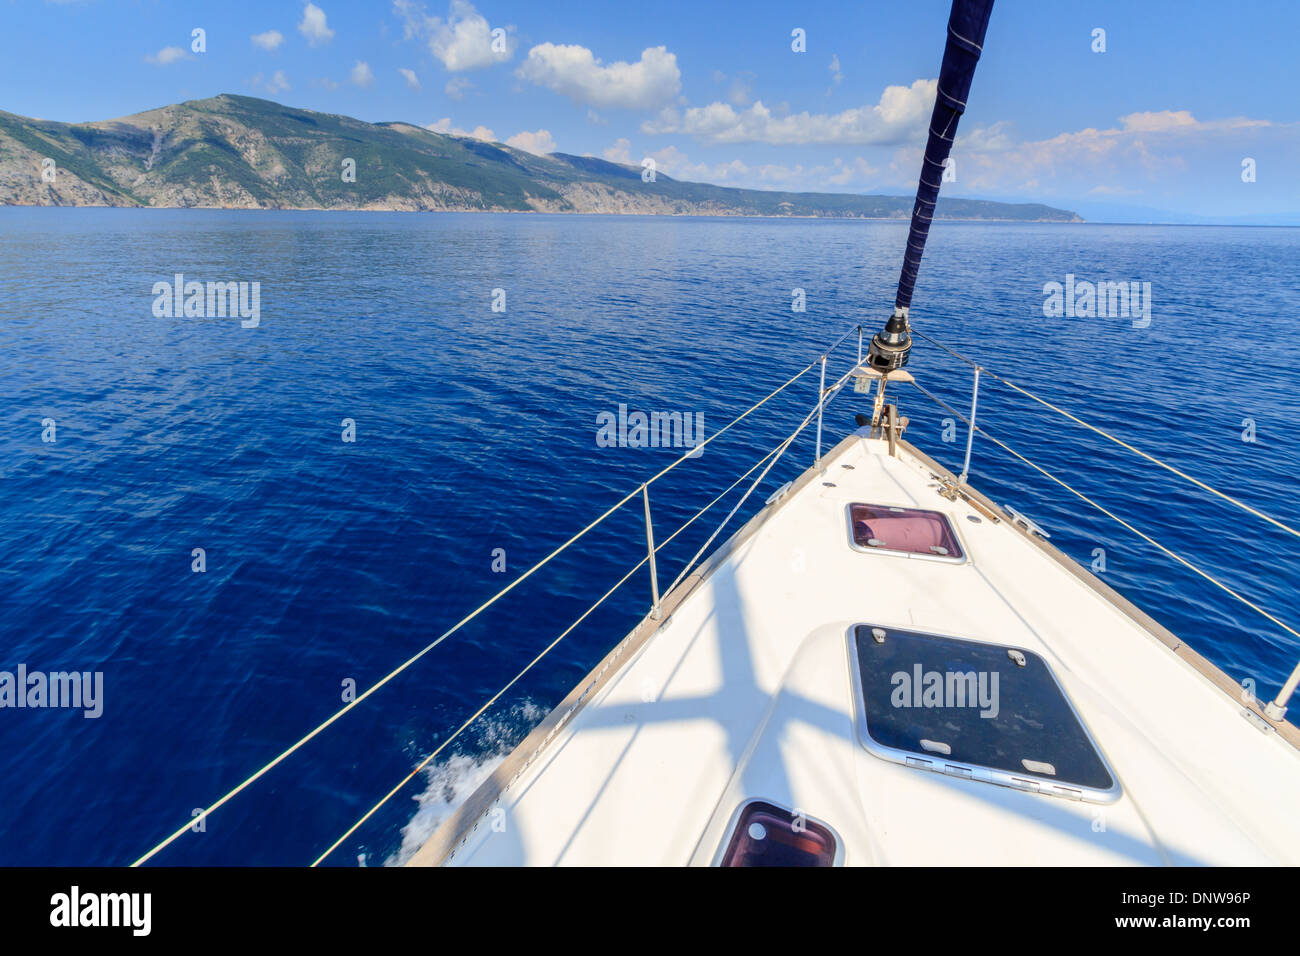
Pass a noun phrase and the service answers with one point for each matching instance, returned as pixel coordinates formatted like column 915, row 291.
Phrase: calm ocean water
column 329, row 561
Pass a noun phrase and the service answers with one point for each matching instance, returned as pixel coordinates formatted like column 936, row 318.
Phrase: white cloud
column 361, row 74
column 457, row 86
column 673, row 162
column 167, row 55
column 313, row 25
column 575, row 72
column 463, row 41
column 992, row 137
column 856, row 170
column 1144, row 148
column 479, row 132
column 270, row 40
column 741, row 90
column 539, row 142
column 1168, row 121
column 414, row 19
column 412, row 80
column 900, row 116
column 836, row 76
column 278, row 82
column 620, row 152
column 839, row 175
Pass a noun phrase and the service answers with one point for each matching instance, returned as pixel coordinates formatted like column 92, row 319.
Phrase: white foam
column 450, row 782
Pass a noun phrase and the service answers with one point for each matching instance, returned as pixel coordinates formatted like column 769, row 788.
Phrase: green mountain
column 242, row 152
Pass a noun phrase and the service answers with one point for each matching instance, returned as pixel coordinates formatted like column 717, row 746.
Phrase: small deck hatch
column 767, row 835
column 911, row 531
column 996, row 710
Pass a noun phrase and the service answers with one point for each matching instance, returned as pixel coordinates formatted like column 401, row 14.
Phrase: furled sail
column 966, row 26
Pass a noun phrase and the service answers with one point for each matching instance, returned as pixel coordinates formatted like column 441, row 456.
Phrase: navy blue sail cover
column 966, row 25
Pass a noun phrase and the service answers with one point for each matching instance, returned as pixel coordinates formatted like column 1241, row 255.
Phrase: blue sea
column 329, row 561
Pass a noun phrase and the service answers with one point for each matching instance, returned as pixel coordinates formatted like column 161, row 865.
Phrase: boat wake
column 451, row 781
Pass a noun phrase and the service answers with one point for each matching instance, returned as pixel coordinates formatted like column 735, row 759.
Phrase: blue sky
column 1163, row 119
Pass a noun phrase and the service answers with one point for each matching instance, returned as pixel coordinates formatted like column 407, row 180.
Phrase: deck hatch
column 999, row 711
column 910, row 531
column 767, row 835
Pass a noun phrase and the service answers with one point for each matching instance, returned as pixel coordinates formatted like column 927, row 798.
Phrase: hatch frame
column 728, row 834
column 963, row 558
column 958, row 769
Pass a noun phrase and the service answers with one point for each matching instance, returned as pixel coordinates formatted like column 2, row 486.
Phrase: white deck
column 747, row 693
